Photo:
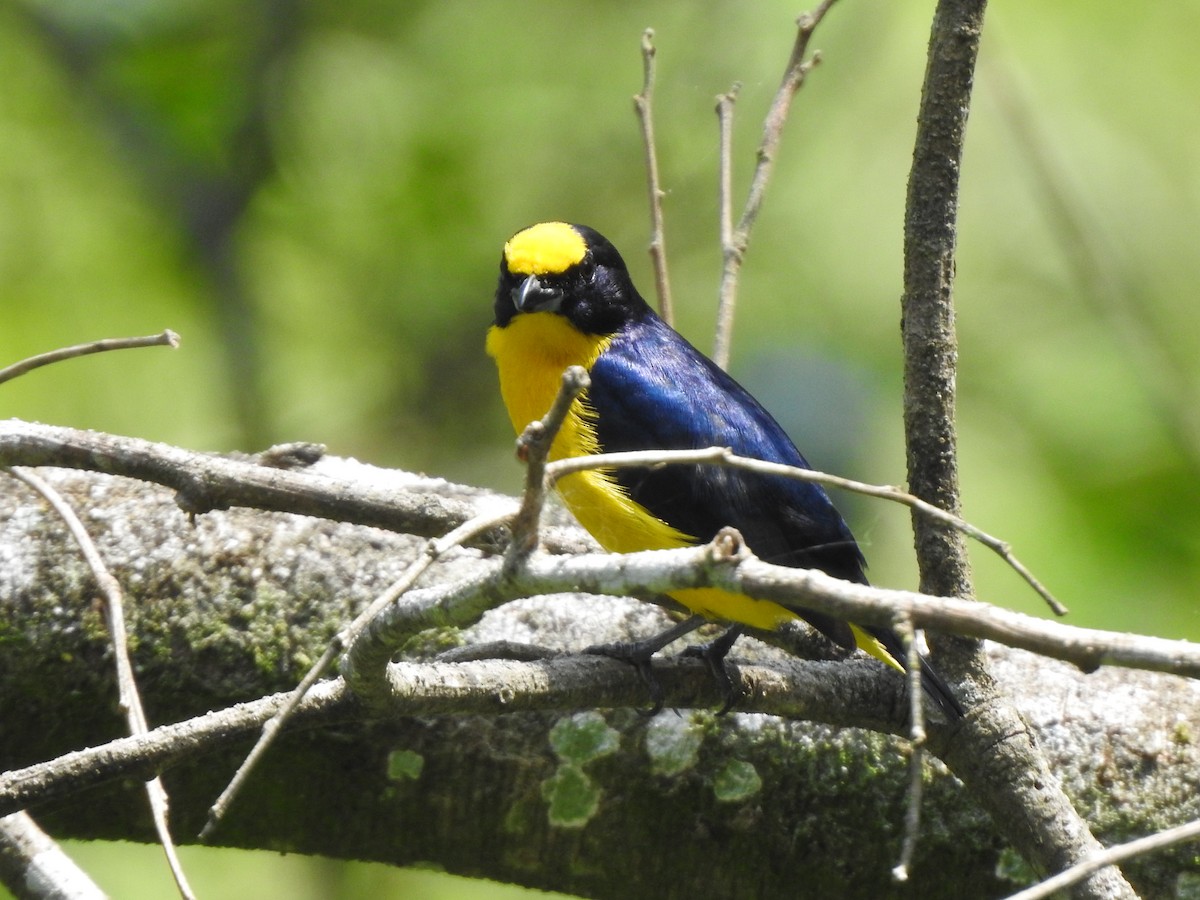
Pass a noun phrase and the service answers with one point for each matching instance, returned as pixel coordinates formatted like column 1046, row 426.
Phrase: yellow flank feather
column 714, row 603
column 870, row 645
column 546, row 249
column 531, row 353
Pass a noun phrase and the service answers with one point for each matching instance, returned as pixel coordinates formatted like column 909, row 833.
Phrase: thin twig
column 1110, row 856
column 533, row 447
column 916, row 761
column 127, row 689
column 432, row 551
column 793, row 77
column 723, row 456
column 643, row 105
column 167, row 338
column 656, row 571
column 725, row 104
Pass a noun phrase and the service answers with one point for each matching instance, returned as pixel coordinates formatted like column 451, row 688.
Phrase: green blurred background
column 314, row 196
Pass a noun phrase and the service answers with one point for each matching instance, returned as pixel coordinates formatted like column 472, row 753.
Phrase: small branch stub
column 728, row 546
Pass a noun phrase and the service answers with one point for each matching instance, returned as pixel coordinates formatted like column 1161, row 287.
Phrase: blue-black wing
column 651, row 389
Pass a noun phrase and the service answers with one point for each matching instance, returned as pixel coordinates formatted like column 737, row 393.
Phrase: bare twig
column 723, row 456
column 725, row 104
column 916, row 761
column 130, row 700
column 660, row 571
column 223, row 482
column 643, row 105
column 167, row 338
column 793, row 77
column 1110, row 856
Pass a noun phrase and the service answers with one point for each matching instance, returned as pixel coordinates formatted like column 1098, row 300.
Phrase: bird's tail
column 884, row 644
column 935, row 686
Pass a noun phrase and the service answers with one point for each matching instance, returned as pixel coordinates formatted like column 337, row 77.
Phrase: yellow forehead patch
column 546, row 249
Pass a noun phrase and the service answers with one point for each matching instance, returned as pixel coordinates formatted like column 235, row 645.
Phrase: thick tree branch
column 204, row 482
column 927, row 323
column 237, row 605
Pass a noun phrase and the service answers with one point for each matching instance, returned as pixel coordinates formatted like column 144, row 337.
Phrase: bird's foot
column 639, row 654
column 714, row 654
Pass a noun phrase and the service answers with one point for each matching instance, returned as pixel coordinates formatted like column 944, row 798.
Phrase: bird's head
column 570, row 270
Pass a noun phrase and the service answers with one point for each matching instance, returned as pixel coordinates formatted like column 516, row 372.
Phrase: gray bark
column 582, row 794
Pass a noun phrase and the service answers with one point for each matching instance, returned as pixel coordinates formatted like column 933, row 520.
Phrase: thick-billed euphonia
column 565, row 298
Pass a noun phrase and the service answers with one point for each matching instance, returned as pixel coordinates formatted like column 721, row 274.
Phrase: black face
column 595, row 294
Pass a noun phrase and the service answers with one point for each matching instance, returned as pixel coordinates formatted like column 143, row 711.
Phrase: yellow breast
column 531, row 353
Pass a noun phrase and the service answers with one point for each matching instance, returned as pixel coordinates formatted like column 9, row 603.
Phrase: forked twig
column 643, row 105
column 735, row 250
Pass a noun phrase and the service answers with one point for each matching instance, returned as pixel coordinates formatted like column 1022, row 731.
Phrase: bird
column 564, row 298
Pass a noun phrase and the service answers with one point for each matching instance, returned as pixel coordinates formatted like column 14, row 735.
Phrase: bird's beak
column 533, row 296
